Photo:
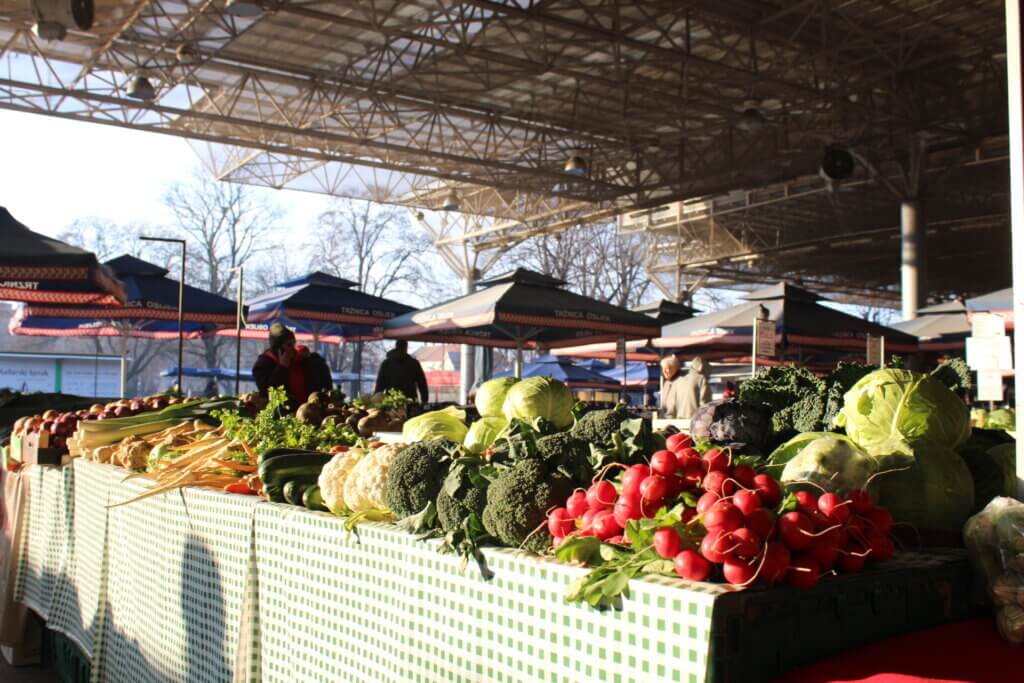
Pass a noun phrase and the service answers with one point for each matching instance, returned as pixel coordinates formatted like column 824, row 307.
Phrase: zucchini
column 293, row 491
column 302, row 467
column 272, row 453
column 313, row 499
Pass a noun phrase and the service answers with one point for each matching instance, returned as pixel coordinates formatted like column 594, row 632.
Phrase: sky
column 56, row 171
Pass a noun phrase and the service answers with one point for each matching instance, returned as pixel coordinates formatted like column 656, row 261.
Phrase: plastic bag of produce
column 995, row 545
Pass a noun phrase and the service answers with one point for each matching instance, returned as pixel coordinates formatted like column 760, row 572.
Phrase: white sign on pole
column 876, row 351
column 989, row 353
column 990, row 385
column 988, row 325
column 764, row 338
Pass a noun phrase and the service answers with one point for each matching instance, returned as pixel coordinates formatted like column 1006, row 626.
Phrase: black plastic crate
column 758, row 634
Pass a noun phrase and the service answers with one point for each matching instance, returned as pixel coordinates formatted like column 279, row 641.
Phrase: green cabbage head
column 483, row 433
column 899, row 411
column 490, row 396
column 931, row 490
column 540, row 397
column 831, row 462
column 438, row 424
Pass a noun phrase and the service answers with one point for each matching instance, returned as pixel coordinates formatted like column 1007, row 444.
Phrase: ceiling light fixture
column 836, row 163
column 244, row 8
column 751, row 120
column 451, row 202
column 53, row 18
column 576, row 165
column 141, row 89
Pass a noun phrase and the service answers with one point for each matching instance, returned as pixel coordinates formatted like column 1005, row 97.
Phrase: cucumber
column 276, row 492
column 293, row 491
column 313, row 500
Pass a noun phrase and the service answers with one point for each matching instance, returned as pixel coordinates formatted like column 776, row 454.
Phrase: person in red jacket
column 295, row 368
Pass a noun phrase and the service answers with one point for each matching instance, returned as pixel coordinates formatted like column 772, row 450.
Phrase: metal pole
column 467, row 356
column 238, row 330
column 124, row 364
column 1014, row 89
column 519, row 359
column 181, row 303
column 912, row 256
column 753, row 350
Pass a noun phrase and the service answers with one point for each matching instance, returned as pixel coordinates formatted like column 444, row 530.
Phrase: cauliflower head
column 364, row 486
column 333, row 476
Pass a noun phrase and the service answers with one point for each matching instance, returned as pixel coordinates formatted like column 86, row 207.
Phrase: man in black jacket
column 292, row 367
column 403, row 372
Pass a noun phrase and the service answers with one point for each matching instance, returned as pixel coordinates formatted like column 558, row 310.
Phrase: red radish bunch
column 827, row 532
column 748, row 537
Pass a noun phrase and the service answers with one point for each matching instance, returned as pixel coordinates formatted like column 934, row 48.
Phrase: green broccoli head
column 453, row 511
column 416, row 476
column 599, row 426
column 518, row 501
column 566, row 453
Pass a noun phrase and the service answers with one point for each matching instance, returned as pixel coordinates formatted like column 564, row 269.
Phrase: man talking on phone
column 295, row 368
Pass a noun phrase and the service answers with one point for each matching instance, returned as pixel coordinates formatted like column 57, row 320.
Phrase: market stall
column 228, row 540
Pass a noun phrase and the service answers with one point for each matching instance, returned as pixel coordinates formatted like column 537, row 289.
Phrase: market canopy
column 324, row 307
column 636, row 374
column 41, row 326
column 801, row 320
column 246, row 375
column 35, row 268
column 638, row 350
column 522, row 309
column 151, row 295
column 565, row 371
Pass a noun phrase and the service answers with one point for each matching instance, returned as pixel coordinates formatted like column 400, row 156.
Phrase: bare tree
column 594, row 260
column 225, row 225
column 375, row 246
column 145, row 356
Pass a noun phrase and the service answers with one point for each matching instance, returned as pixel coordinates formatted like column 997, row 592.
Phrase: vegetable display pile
column 711, row 516
column 798, row 479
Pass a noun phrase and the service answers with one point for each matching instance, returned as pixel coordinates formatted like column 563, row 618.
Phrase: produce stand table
column 199, row 585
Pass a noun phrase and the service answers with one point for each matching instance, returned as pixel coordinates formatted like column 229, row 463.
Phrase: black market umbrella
column 519, row 310
column 324, row 307
column 38, row 269
column 565, row 371
column 942, row 327
column 801, row 321
column 151, row 309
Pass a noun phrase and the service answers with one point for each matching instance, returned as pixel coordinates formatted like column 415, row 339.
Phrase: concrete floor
column 26, row 674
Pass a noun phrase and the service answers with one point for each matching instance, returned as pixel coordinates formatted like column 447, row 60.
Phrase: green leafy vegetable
column 540, row 398
column 899, row 411
column 438, row 424
column 274, row 427
column 490, row 396
column 483, row 433
column 931, row 490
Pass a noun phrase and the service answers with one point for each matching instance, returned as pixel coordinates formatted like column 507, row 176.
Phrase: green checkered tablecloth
column 44, row 546
column 203, row 586
column 384, row 607
column 178, row 569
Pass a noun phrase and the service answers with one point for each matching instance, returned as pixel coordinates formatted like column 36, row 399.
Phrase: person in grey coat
column 681, row 396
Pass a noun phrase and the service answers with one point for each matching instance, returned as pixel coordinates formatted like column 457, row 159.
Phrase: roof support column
column 912, row 238
column 1015, row 92
column 467, row 353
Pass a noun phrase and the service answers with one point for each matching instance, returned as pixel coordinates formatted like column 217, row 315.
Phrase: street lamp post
column 181, row 302
column 238, row 328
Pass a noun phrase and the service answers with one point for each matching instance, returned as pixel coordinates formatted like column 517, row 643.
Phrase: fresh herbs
column 274, row 427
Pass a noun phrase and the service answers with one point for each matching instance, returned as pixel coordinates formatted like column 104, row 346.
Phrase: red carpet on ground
column 965, row 652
